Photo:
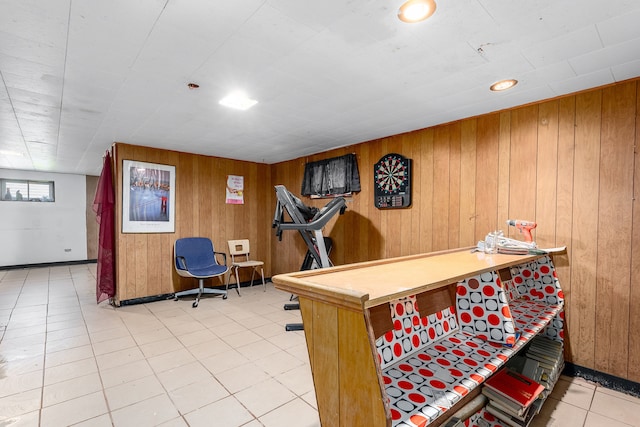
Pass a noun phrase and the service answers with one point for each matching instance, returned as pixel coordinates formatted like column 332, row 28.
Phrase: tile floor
column 66, row 361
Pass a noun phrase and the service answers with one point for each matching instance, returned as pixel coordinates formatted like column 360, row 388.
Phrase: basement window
column 16, row 190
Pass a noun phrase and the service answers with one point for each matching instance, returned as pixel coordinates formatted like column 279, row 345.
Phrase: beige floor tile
column 74, row 411
column 32, row 419
column 184, row 375
column 197, row 395
column 299, row 380
column 264, row 397
column 133, row 392
column 171, row 360
column 268, row 330
column 227, row 329
column 224, row 361
column 227, row 412
column 37, row 330
column 310, row 398
column 101, row 421
column 70, row 370
column 69, row 355
column 11, row 354
column 616, row 407
column 288, row 340
column 574, row 393
column 67, row 333
column 555, row 413
column 67, row 324
column 278, row 363
column 241, row 339
column 258, row 350
column 158, row 333
column 176, row 422
column 597, row 420
column 150, row 412
column 119, row 358
column 116, row 344
column 240, row 378
column 17, row 405
column 619, row 395
column 125, row 373
column 196, row 337
column 157, row 348
column 67, row 343
column 110, row 334
column 296, row 413
column 70, row 389
column 19, row 340
column 21, row 366
column 209, row 348
column 20, row 383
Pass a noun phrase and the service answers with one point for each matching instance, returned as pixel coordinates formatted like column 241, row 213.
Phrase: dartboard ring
column 391, row 176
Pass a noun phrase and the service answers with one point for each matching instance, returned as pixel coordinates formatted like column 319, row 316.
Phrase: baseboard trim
column 48, row 264
column 162, row 297
column 605, row 380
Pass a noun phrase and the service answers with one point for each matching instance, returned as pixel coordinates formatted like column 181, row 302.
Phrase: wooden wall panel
column 487, row 175
column 468, row 161
column 585, row 225
column 523, row 164
column 564, row 206
column 634, row 291
column 547, row 170
column 566, row 163
column 614, row 227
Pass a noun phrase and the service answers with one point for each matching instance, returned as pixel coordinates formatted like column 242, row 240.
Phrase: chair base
column 199, row 291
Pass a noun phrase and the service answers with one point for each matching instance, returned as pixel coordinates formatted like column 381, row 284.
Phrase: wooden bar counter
column 345, row 309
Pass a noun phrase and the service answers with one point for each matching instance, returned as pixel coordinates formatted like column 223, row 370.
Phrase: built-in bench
column 432, row 344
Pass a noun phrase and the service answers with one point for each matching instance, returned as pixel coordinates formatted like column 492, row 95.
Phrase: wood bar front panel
column 344, row 375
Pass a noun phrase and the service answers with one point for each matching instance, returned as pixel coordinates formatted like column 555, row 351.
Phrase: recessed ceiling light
column 416, row 10
column 238, row 100
column 503, row 85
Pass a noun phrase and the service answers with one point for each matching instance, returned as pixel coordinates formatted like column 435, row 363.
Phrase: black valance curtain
column 338, row 175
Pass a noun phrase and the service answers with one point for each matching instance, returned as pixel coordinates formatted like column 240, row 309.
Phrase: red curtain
column 104, row 207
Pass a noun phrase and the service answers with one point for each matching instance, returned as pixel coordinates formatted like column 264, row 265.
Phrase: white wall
column 34, row 232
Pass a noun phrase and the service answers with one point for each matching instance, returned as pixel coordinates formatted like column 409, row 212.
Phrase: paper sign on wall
column 235, row 190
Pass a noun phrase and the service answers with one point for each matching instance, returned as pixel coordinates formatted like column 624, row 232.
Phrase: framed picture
column 148, row 197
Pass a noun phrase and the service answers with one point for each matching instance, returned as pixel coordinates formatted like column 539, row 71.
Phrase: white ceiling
column 78, row 75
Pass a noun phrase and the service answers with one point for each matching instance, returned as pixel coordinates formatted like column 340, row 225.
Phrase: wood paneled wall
column 568, row 164
column 144, row 264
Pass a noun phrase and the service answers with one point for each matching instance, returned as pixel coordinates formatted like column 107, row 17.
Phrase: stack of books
column 516, row 393
column 511, row 396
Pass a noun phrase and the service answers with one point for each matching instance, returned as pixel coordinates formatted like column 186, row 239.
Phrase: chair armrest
column 181, row 263
column 224, row 256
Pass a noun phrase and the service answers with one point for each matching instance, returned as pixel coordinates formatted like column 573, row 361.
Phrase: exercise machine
column 309, row 222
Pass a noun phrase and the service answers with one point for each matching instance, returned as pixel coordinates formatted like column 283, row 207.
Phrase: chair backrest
column 239, row 248
column 196, row 251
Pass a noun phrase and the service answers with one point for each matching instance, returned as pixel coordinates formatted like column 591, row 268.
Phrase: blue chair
column 195, row 257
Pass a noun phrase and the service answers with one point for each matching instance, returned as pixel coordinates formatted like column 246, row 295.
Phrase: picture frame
column 148, row 197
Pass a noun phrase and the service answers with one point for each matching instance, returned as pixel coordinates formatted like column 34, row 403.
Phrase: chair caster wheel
column 224, row 297
column 175, row 298
column 195, row 304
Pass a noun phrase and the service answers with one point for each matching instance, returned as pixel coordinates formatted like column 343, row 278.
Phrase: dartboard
column 392, row 179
